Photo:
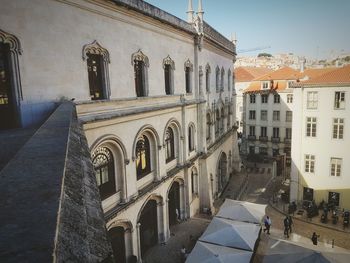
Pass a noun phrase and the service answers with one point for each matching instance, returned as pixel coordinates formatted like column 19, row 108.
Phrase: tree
column 264, row 55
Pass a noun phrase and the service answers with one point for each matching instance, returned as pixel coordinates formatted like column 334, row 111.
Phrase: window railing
column 263, row 138
column 275, row 139
column 251, row 137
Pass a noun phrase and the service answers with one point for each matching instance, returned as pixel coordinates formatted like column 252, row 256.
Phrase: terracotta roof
column 337, row 76
column 315, row 72
column 246, row 74
column 285, row 73
column 256, row 87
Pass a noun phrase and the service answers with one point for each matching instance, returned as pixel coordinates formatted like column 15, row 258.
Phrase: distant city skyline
column 312, row 28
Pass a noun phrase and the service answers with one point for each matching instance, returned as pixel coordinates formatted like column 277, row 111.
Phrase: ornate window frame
column 97, row 49
column 140, row 56
column 16, row 86
column 168, row 61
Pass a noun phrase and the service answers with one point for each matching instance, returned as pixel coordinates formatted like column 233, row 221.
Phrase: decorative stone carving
column 188, row 64
column 15, row 45
column 96, row 48
column 207, row 68
column 139, row 56
column 200, row 71
column 169, row 61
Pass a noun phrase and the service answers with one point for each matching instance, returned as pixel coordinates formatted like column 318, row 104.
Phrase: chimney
column 190, row 12
column 200, row 10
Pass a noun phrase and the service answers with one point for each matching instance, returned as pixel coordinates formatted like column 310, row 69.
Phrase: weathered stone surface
column 39, row 222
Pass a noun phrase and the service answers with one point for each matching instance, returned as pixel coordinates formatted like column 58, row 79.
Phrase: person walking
column 314, row 238
column 290, row 224
column 267, row 223
column 286, row 226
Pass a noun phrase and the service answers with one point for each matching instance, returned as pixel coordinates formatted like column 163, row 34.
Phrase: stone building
column 154, row 95
column 268, row 113
column 320, row 161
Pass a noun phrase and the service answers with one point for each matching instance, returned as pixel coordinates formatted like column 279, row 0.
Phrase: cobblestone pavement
column 260, row 189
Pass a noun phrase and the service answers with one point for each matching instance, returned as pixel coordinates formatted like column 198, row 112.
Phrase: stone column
column 166, row 219
column 138, row 236
column 128, row 243
column 183, row 214
column 160, row 222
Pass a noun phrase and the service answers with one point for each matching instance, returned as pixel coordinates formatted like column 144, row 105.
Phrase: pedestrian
column 314, row 238
column 267, row 223
column 177, row 215
column 290, row 224
column 183, row 253
column 286, row 226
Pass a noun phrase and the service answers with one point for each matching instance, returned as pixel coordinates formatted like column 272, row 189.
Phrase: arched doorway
column 222, row 172
column 148, row 226
column 117, row 238
column 174, row 203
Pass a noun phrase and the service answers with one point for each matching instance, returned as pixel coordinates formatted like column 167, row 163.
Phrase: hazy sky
column 315, row 28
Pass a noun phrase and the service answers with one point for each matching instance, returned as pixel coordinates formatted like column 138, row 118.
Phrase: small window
column 263, row 150
column 276, row 98
column 207, row 78
column 252, row 115
column 276, row 132
column 263, row 115
column 263, row 131
column 217, row 80
column 339, row 100
column 252, row 130
column 102, row 160
column 312, row 99
column 311, row 125
column 336, row 167
column 217, row 123
column 169, row 67
column 276, row 115
column 264, row 98
column 252, row 98
column 289, row 116
column 265, row 85
column 188, row 80
column 143, row 157
column 229, row 77
column 95, row 71
column 288, row 133
column 139, row 78
column 289, row 98
column 208, row 127
column 169, row 145
column 222, row 121
column 222, row 86
column 309, row 163
column 191, row 138
column 338, row 128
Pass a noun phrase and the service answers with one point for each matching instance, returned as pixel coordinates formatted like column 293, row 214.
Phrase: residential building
column 154, row 95
column 321, row 124
column 269, row 99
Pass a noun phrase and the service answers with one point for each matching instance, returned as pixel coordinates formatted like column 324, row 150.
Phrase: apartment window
column 252, row 115
column 338, row 128
column 276, row 132
column 312, row 99
column 263, row 115
column 289, row 98
column 265, row 85
column 252, row 98
column 339, row 100
column 309, row 163
column 276, row 98
column 289, row 116
column 311, row 126
column 264, row 98
column 276, row 115
column 288, row 133
column 336, row 166
column 252, row 130
column 263, row 131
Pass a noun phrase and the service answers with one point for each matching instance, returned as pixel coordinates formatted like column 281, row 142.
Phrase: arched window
column 143, row 157
column 103, row 162
column 229, row 117
column 229, row 77
column 97, row 59
column 141, row 63
column 169, row 67
column 207, row 78
column 222, row 121
column 217, row 123
column 222, row 86
column 208, row 127
column 217, row 82
column 191, row 138
column 188, row 76
column 169, row 145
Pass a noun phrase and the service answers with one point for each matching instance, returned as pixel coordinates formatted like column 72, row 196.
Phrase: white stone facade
column 56, row 38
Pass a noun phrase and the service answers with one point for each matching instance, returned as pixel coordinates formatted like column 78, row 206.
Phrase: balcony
column 251, row 137
column 288, row 140
column 275, row 139
column 263, row 138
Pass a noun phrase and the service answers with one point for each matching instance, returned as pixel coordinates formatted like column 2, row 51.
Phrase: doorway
column 174, row 203
column 148, row 227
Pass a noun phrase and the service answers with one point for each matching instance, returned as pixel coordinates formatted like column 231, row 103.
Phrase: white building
column 321, row 139
column 155, row 95
column 268, row 113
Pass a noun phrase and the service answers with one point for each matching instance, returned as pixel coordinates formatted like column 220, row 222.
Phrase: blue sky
column 313, row 28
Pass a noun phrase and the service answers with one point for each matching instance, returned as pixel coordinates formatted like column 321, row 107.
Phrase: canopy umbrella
column 230, row 233
column 211, row 253
column 282, row 251
column 242, row 211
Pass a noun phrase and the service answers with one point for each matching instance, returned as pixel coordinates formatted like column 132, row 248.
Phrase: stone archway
column 174, row 203
column 117, row 238
column 148, row 224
